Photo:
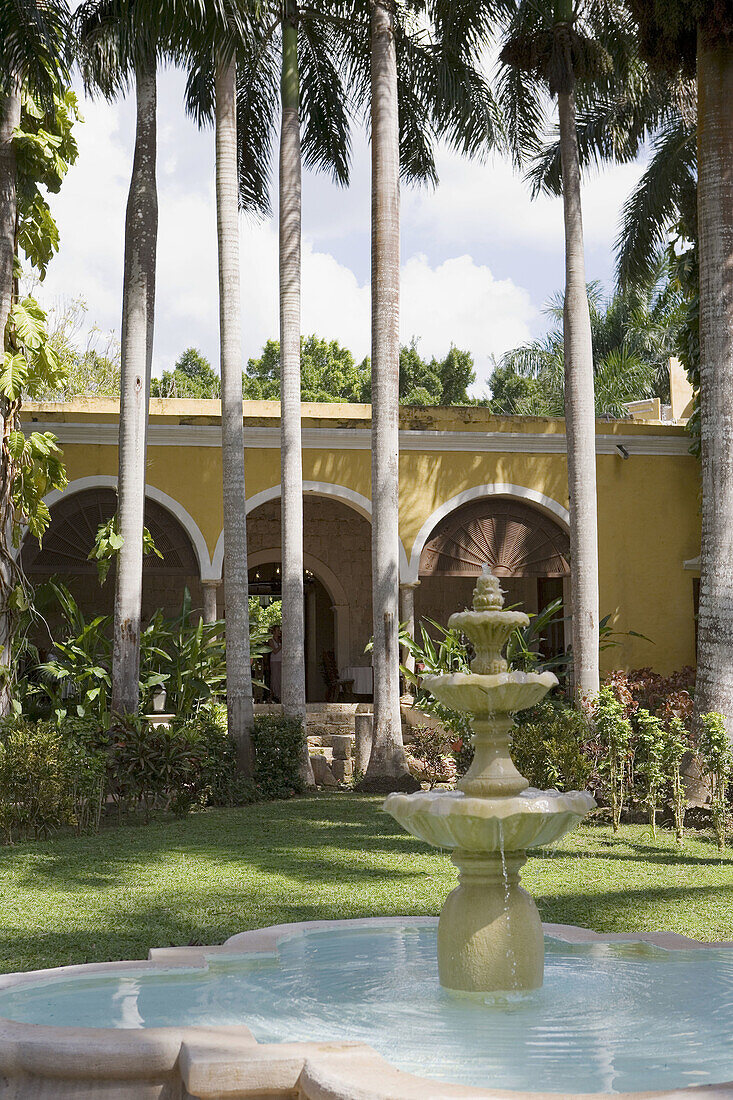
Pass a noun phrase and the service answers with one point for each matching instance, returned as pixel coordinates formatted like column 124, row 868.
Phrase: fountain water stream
column 490, row 934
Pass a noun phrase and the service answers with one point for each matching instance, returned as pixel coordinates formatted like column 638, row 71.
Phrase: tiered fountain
column 490, row 934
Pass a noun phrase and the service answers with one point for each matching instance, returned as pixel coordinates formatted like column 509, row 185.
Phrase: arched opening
column 265, row 585
column 527, row 548
column 64, row 552
column 338, row 582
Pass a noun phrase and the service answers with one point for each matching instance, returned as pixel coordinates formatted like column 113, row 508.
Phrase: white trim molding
column 352, row 499
column 186, row 520
column 359, row 439
column 497, row 489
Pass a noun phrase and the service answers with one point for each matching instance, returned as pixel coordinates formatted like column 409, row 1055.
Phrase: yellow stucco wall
column 648, row 505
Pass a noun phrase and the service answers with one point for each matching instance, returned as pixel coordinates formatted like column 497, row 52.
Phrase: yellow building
column 474, row 488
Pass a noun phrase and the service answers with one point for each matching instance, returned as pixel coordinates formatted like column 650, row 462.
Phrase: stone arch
column 518, row 492
column 187, row 522
column 332, row 584
column 352, row 499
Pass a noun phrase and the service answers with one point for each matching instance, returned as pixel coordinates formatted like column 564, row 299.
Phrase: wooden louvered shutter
column 513, row 538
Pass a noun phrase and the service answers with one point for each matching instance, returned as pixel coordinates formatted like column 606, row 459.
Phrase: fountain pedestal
column 490, row 933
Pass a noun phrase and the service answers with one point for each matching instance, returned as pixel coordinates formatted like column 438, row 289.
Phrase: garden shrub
column 46, row 780
column 615, row 734
column 432, row 751
column 552, row 747
column 278, row 744
column 217, row 782
column 715, row 750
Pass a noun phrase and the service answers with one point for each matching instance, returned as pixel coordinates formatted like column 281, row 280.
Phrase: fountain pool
column 611, row 1017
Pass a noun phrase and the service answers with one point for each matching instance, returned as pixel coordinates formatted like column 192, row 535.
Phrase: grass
column 202, row 878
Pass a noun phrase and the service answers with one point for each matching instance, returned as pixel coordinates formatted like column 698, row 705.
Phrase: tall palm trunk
column 293, row 609
column 236, row 589
column 387, row 767
column 138, row 311
column 580, row 424
column 714, row 688
column 9, row 120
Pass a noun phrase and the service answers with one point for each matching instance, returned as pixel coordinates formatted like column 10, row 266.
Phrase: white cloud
column 471, row 248
column 461, row 302
column 488, row 205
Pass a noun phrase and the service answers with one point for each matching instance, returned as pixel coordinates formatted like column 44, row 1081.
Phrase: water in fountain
column 490, row 934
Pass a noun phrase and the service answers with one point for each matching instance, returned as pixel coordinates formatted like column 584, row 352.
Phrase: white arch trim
column 497, row 489
column 359, row 503
column 186, row 520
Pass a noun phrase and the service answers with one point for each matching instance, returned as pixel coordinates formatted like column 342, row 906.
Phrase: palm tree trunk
column 580, row 424
column 9, row 120
column 387, row 767
column 236, row 588
column 293, row 622
column 714, row 687
column 138, row 310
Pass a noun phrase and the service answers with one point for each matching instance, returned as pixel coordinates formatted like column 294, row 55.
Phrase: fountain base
column 490, row 934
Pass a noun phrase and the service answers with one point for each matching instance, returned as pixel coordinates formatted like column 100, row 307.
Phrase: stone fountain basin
column 42, row 1062
column 481, row 694
column 452, row 819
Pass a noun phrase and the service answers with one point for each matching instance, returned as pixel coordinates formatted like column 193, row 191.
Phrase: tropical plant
column 431, row 750
column 524, row 648
column 37, row 155
column 186, row 656
column 108, row 542
column 278, row 743
column 614, row 732
column 51, row 774
column 552, row 745
column 649, row 753
column 715, row 749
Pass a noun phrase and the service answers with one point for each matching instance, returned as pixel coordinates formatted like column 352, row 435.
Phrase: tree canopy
column 634, row 334
column 192, row 376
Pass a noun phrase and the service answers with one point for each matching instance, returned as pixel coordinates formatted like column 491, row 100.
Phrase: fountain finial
column 488, row 595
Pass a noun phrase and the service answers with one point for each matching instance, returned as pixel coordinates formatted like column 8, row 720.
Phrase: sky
column 480, row 258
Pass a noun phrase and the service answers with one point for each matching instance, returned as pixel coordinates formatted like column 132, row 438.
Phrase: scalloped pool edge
column 227, row 1063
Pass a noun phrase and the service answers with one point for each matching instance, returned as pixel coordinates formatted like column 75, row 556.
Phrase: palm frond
column 655, row 205
column 35, row 45
column 323, row 102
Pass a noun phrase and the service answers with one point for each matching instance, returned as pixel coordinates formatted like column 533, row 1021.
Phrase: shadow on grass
column 203, row 878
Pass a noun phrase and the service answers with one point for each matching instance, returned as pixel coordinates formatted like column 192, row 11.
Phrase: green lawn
column 200, row 879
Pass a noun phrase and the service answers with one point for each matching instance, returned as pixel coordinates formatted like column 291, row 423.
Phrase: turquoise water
column 608, row 1018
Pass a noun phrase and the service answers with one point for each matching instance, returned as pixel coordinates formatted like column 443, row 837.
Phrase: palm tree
column 555, row 46
column 659, row 109
column 240, row 713
column 415, row 86
column 120, row 43
column 387, row 759
column 692, row 37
